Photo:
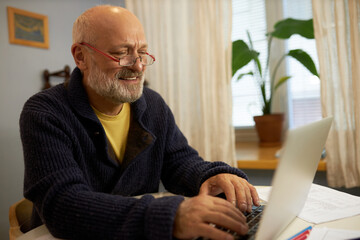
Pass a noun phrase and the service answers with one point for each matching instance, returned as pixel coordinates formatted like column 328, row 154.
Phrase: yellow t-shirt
column 116, row 129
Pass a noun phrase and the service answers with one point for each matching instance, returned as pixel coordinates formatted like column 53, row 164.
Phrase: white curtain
column 191, row 41
column 337, row 33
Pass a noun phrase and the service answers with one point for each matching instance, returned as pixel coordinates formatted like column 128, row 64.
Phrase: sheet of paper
column 324, row 204
column 324, row 233
column 264, row 192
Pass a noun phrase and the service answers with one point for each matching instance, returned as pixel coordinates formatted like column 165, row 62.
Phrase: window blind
column 248, row 16
column 304, row 88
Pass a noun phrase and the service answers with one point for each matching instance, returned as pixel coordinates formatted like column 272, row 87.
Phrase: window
column 249, row 16
column 303, row 88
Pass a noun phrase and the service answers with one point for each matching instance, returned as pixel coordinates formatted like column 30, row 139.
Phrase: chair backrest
column 19, row 215
column 62, row 74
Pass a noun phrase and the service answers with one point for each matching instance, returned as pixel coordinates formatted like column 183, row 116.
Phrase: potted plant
column 243, row 54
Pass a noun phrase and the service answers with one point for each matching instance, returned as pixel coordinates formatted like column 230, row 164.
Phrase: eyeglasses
column 145, row 59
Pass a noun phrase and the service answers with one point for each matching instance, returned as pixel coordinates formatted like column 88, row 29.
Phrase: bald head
column 105, row 21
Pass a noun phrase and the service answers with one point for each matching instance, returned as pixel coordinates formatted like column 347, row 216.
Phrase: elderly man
column 92, row 143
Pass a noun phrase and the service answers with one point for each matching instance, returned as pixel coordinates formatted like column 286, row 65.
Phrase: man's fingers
column 246, row 195
column 229, row 210
column 210, row 231
column 204, row 189
column 239, row 194
column 230, row 194
column 202, row 210
column 227, row 222
column 238, row 190
column 255, row 195
column 243, row 195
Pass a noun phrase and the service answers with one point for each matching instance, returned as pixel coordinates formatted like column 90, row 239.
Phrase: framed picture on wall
column 28, row 28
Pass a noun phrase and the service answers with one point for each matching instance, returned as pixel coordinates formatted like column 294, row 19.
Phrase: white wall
column 21, row 70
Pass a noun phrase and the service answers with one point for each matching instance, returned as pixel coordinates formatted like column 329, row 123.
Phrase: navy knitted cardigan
column 80, row 192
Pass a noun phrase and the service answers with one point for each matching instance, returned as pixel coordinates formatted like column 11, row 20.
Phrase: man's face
column 116, row 87
column 119, row 36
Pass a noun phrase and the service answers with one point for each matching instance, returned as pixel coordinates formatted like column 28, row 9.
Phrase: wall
column 21, row 70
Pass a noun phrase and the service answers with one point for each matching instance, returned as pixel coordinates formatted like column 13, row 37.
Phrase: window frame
column 274, row 11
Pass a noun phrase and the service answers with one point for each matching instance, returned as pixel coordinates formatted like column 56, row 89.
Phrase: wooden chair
column 19, row 215
column 62, row 74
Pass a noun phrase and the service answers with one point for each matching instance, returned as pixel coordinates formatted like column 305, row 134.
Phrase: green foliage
column 243, row 54
column 286, row 28
column 304, row 59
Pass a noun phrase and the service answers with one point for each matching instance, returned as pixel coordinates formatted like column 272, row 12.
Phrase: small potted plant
column 243, row 54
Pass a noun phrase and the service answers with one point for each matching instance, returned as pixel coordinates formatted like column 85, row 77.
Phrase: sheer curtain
column 191, row 40
column 337, row 33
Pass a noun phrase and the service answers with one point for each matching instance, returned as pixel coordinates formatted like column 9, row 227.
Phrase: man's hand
column 194, row 215
column 237, row 190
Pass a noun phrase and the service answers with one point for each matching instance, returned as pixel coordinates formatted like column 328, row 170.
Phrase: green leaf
column 281, row 81
column 258, row 65
column 241, row 55
column 304, row 59
column 284, row 29
column 266, row 108
column 255, row 58
column 263, row 91
column 244, row 74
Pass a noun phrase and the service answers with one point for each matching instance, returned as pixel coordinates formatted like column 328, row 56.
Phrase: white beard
column 115, row 89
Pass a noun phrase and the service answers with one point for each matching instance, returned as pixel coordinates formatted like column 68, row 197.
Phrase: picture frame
column 28, row 28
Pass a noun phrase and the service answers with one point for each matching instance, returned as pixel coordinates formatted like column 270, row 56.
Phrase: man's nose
column 137, row 66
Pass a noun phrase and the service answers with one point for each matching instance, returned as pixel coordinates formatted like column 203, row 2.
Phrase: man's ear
column 79, row 57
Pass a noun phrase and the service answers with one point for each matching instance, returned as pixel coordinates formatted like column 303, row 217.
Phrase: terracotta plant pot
column 269, row 129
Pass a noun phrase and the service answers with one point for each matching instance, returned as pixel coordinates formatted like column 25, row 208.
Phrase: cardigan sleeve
column 65, row 200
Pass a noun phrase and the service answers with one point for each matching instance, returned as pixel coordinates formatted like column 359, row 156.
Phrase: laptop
column 293, row 177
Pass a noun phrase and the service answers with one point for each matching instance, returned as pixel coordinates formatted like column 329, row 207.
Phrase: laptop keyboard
column 253, row 221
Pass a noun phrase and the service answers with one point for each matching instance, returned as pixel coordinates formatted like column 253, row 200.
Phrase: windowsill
column 250, row 156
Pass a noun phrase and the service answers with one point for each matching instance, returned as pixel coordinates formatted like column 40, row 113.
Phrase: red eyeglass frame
column 109, row 56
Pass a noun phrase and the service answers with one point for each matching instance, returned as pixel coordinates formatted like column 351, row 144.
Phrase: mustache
column 128, row 73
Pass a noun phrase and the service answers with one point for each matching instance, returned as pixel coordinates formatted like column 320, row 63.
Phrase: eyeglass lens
column 130, row 60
